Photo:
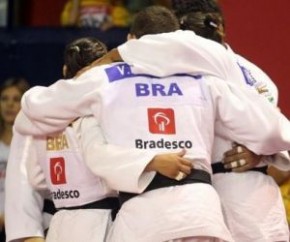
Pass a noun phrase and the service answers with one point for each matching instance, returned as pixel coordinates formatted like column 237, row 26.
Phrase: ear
column 64, row 70
column 131, row 36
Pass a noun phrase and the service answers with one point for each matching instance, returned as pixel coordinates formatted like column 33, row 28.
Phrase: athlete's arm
column 47, row 110
column 135, row 167
column 179, row 52
column 260, row 127
column 23, row 205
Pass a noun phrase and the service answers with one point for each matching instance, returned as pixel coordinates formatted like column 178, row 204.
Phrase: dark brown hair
column 207, row 25
column 81, row 53
column 154, row 20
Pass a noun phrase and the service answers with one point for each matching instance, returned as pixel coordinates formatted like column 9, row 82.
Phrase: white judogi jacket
column 267, row 223
column 253, row 77
column 159, row 114
column 247, row 190
column 186, row 52
column 61, row 166
column 61, row 157
column 23, row 205
column 179, row 52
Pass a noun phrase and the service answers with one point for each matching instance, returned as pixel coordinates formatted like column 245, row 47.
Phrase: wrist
column 151, row 166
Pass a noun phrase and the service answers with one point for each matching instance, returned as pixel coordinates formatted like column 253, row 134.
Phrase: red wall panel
column 260, row 31
column 43, row 12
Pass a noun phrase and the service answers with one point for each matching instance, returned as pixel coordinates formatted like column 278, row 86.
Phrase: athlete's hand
column 170, row 165
column 240, row 159
column 34, row 239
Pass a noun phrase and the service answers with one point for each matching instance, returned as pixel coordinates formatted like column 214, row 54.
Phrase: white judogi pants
column 81, row 225
column 176, row 212
column 256, row 213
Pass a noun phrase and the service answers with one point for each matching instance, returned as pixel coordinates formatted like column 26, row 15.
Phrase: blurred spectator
column 86, row 13
column 102, row 14
column 11, row 92
column 120, row 14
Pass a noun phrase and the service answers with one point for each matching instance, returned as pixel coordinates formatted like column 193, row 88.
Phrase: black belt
column 159, row 181
column 106, row 203
column 48, row 207
column 219, row 168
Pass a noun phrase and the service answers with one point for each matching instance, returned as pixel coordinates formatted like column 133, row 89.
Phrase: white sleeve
column 248, row 118
column 179, row 52
column 35, row 174
column 122, row 168
column 47, row 110
column 264, row 85
column 267, row 88
column 23, row 205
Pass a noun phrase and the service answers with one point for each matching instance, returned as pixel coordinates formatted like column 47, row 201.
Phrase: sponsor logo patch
column 57, row 171
column 161, row 121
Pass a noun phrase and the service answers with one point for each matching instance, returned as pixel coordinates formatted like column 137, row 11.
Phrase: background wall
column 42, row 12
column 260, row 31
column 37, row 53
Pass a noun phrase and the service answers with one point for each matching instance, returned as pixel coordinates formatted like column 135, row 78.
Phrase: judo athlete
column 241, row 193
column 163, row 115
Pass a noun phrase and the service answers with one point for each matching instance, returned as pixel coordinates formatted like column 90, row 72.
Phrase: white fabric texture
column 253, row 206
column 171, row 45
column 263, row 129
column 79, row 225
column 23, row 205
column 170, row 213
column 252, row 193
column 61, row 166
column 212, row 98
column 61, row 163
